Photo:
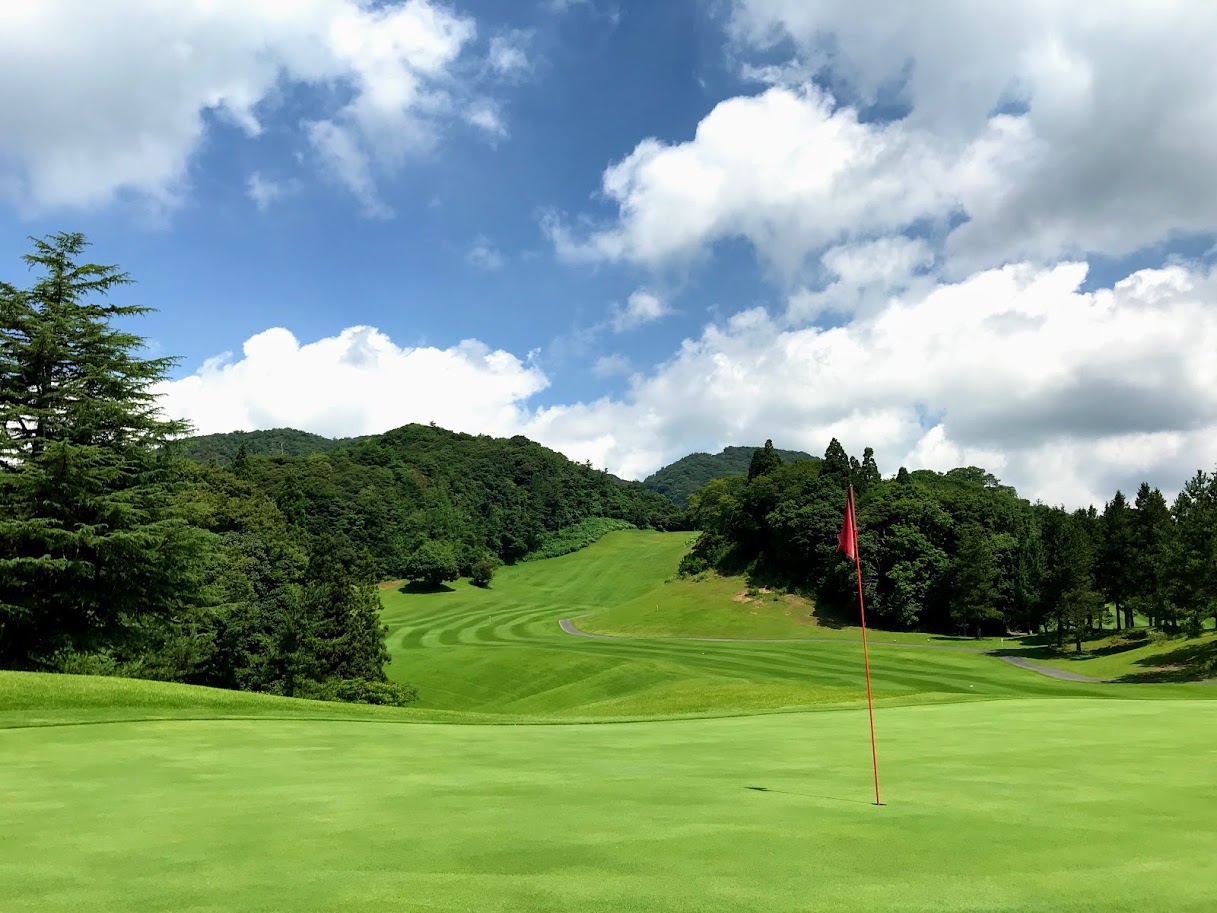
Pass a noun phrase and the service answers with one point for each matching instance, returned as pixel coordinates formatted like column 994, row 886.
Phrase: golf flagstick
column 848, row 542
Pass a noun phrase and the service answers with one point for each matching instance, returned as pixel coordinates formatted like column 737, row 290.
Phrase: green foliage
column 388, row 494
column 977, row 578
column 1192, row 555
column 432, row 564
column 225, row 448
column 577, row 536
column 482, row 571
column 763, row 461
column 94, row 542
column 680, row 480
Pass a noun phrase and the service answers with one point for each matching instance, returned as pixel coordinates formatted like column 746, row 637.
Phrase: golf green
column 1027, row 805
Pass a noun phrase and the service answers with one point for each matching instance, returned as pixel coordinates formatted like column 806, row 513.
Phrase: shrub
column 482, row 571
column 362, row 691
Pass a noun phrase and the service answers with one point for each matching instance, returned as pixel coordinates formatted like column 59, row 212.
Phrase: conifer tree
column 764, row 461
column 92, row 545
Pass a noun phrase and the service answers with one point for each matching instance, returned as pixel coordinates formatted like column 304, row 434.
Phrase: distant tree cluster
column 959, row 551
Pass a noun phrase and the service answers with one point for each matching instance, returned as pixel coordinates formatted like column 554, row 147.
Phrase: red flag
column 845, row 541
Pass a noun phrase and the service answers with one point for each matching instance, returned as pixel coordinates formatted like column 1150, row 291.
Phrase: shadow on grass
column 1044, row 646
column 417, row 586
column 1195, row 662
column 766, row 789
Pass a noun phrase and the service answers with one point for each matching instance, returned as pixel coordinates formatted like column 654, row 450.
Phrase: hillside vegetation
column 681, row 479
column 223, row 448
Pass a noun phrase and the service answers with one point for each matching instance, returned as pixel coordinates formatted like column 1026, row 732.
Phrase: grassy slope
column 500, row 651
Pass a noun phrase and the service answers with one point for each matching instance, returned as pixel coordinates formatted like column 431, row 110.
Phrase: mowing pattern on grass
column 500, row 651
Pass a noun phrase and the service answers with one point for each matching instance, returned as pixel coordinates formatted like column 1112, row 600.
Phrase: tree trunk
column 1078, row 641
column 1060, row 630
column 1129, row 621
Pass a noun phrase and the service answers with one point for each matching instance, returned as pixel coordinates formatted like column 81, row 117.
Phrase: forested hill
column 476, row 496
column 691, row 473
column 275, row 442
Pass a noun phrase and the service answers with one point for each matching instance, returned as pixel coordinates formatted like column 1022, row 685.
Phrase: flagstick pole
column 870, row 703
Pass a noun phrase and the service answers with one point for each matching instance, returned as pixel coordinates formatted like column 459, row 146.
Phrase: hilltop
column 691, row 473
column 272, row 442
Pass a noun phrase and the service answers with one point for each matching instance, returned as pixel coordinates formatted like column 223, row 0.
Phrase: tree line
column 961, row 552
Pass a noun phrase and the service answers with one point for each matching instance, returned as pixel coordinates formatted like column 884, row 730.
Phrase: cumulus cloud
column 1116, row 117
column 126, row 90
column 642, row 307
column 358, row 382
column 787, row 170
column 1039, row 131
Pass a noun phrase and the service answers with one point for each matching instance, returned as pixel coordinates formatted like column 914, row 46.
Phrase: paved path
column 568, row 625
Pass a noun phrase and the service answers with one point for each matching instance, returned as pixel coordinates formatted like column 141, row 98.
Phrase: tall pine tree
column 91, row 544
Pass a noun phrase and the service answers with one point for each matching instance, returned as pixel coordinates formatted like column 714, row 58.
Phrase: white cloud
column 1039, row 131
column 508, row 56
column 1113, row 149
column 482, row 254
column 125, row 89
column 611, row 365
column 358, row 382
column 486, row 117
column 641, row 308
column 263, row 191
column 785, row 170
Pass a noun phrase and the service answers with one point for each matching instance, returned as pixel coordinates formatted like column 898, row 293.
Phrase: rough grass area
column 576, row 536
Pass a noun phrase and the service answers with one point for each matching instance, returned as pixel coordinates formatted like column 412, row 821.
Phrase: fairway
column 743, row 781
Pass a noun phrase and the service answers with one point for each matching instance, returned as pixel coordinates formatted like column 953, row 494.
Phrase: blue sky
column 633, row 229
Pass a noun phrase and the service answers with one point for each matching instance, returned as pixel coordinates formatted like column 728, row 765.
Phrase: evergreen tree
column 92, row 543
column 836, row 468
column 764, row 460
column 1192, row 558
column 1117, row 558
column 868, row 477
column 976, row 575
column 1153, row 533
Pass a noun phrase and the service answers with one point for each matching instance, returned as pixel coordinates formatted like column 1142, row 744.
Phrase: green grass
column 1005, row 790
column 1134, row 657
column 712, row 606
column 500, row 652
column 1014, row 806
